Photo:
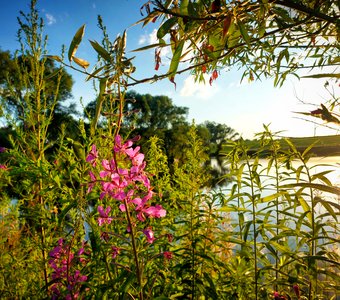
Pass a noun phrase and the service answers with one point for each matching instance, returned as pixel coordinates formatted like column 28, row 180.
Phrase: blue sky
column 242, row 106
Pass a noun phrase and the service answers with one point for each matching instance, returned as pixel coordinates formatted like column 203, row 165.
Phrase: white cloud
column 94, row 5
column 199, row 89
column 148, row 38
column 151, row 38
column 50, row 19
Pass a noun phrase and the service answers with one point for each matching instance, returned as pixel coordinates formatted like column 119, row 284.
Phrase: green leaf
column 325, row 188
column 65, row 211
column 270, row 197
column 75, row 42
column 101, row 51
column 165, row 27
column 244, row 32
column 94, row 73
column 162, row 44
column 175, row 59
column 328, row 206
column 184, row 7
column 125, row 286
column 100, row 99
column 306, row 208
column 325, row 75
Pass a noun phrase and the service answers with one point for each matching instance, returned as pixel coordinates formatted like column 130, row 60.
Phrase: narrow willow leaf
column 244, row 32
column 101, row 51
column 323, row 178
column 100, row 99
column 325, row 188
column 279, row 247
column 175, row 59
column 328, row 206
column 308, row 149
column 81, row 62
column 246, row 230
column 184, row 7
column 233, row 209
column 306, row 208
column 94, row 73
column 325, row 75
column 75, row 42
column 149, row 47
column 270, row 197
column 165, row 27
column 54, row 57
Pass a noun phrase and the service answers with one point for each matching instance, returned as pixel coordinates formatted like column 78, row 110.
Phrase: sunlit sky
column 243, row 106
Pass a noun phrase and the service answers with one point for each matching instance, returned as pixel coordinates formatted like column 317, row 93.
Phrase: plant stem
column 134, row 248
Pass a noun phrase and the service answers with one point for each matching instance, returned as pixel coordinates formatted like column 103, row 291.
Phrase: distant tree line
column 146, row 115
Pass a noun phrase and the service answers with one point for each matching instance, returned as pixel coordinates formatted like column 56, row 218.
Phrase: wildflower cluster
column 123, row 179
column 66, row 277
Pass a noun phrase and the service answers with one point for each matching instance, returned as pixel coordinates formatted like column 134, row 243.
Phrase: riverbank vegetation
column 110, row 213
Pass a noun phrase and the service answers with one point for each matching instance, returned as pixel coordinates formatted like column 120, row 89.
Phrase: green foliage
column 271, row 233
column 277, row 228
column 265, row 38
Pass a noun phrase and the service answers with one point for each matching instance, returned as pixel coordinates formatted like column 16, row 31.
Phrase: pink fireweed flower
column 118, row 147
column 155, row 211
column 149, row 235
column 109, row 168
column 3, row 167
column 170, row 237
column 105, row 236
column 167, row 255
column 277, row 296
column 136, row 157
column 296, row 289
column 92, row 183
column 61, row 261
column 104, row 215
column 115, row 251
column 93, row 155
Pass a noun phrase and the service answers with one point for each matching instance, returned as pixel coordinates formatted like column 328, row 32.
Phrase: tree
column 217, row 136
column 13, row 90
column 17, row 95
column 153, row 114
column 149, row 116
column 271, row 38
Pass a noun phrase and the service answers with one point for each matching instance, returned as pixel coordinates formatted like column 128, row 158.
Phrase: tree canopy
column 14, row 87
column 271, row 38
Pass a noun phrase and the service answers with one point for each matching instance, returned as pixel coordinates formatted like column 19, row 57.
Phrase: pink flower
column 296, row 289
column 167, row 255
column 118, row 147
column 109, row 168
column 155, row 211
column 170, row 237
column 105, row 236
column 104, row 215
column 149, row 235
column 92, row 183
column 93, row 155
column 136, row 157
column 277, row 296
column 115, row 251
column 3, row 167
